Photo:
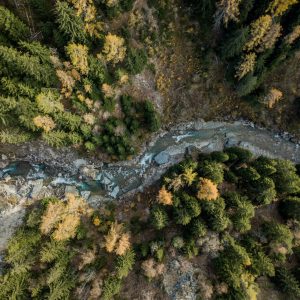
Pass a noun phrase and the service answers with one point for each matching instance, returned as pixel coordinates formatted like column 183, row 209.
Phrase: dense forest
column 68, row 67
column 253, row 38
column 65, row 84
column 66, row 250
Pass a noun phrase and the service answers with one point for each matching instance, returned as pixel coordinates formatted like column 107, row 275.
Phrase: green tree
column 158, row 217
column 286, row 178
column 71, row 25
column 290, row 208
column 125, row 264
column 211, row 170
column 13, row 26
column 287, row 283
column 13, row 62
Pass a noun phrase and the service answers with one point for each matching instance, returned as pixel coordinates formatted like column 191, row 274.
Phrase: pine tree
column 234, row 45
column 14, row 62
column 125, row 264
column 287, row 282
column 13, row 26
column 207, row 190
column 69, row 23
column 159, row 218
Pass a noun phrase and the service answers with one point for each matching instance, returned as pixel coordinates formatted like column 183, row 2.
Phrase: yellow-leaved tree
column 270, row 38
column 279, row 7
column 227, row 10
column 246, row 66
column 164, row 196
column 259, row 28
column 207, row 190
column 114, row 48
column 44, row 122
column 79, row 57
column 293, row 36
column 63, row 218
column 117, row 240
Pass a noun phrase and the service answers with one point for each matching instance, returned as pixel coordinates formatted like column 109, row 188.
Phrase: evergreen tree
column 13, row 26
column 69, row 23
column 287, row 283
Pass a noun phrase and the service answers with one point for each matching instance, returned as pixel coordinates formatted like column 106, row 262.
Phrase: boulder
column 89, row 171
column 162, row 158
column 71, row 189
column 37, row 186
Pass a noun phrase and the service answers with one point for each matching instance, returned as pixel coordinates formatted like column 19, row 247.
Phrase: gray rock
column 115, row 192
column 37, row 186
column 88, row 171
column 230, row 142
column 85, row 194
column 79, row 162
column 162, row 158
column 4, row 164
column 71, row 189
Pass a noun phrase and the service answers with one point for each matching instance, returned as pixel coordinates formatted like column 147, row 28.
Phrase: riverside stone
column 162, row 158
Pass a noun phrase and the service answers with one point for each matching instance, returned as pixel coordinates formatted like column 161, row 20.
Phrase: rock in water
column 162, row 158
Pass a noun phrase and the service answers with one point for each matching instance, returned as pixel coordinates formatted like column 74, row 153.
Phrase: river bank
column 33, row 171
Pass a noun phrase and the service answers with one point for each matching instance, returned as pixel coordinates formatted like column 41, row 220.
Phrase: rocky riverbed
column 35, row 170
